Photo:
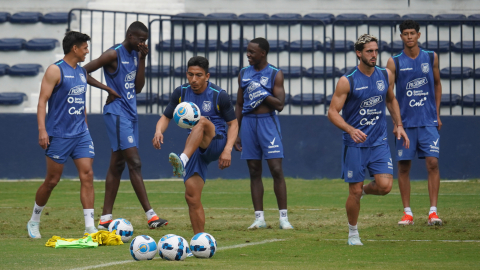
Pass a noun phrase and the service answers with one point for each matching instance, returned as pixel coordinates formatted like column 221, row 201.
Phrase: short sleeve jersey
column 256, row 85
column 364, row 107
column 66, row 105
column 416, row 89
column 123, row 82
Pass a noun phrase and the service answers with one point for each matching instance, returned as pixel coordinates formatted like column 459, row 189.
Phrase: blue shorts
column 123, row 133
column 60, row 149
column 198, row 162
column 424, row 141
column 261, row 136
column 355, row 159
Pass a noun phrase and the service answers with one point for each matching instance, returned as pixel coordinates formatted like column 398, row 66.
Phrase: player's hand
column 157, row 140
column 43, row 139
column 358, row 136
column 113, row 93
column 395, row 129
column 110, row 99
column 439, row 123
column 143, row 49
column 402, row 134
column 225, row 159
column 238, row 144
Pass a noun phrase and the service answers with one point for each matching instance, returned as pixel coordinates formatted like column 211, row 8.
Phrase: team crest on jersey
column 425, row 68
column 130, row 139
column 206, row 106
column 350, row 174
column 380, row 85
column 264, row 81
column 400, row 153
column 83, row 78
column 135, row 61
column 131, row 76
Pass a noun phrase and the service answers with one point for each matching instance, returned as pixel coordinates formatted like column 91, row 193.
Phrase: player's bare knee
column 192, row 200
column 385, row 188
column 432, row 165
column 135, row 165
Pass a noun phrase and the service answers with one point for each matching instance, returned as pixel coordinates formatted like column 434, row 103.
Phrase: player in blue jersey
column 208, row 140
column 419, row 93
column 362, row 93
column 124, row 70
column 64, row 132
column 260, row 94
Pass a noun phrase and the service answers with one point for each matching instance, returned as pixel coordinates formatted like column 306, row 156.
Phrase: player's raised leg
column 257, row 191
column 193, row 193
column 280, row 189
column 433, row 188
column 54, row 172
column 87, row 194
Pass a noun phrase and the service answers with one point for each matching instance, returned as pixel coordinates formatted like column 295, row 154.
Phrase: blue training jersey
column 364, row 107
column 123, row 82
column 256, row 85
column 416, row 89
column 66, row 105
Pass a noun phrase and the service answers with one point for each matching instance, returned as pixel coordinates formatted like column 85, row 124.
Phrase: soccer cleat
column 433, row 219
column 178, row 168
column 90, row 230
column 406, row 220
column 104, row 225
column 34, row 229
column 190, row 254
column 156, row 222
column 285, row 225
column 257, row 224
column 354, row 240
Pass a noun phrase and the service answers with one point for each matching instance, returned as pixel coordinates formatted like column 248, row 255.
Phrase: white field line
column 219, row 249
column 394, row 240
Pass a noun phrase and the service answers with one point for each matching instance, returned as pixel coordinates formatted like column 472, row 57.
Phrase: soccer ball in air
column 203, row 245
column 174, row 248
column 143, row 247
column 123, row 227
column 186, row 115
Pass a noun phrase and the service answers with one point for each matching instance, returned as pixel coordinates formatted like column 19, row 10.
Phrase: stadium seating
column 202, row 44
column 471, row 100
column 384, row 16
column 278, row 45
column 354, row 19
column 346, row 69
column 158, row 71
column 147, row 98
column 286, row 18
column 441, row 46
column 178, row 45
column 4, row 17
column 329, row 99
column 326, row 18
column 4, row 69
column 26, row 17
column 394, row 47
column 180, row 71
column 41, row 44
column 218, row 17
column 25, row 70
column 448, row 100
column 339, row 46
column 307, row 99
column 55, row 17
column 180, row 18
column 423, row 19
column 468, row 47
column 476, row 73
column 12, row 44
column 224, row 71
column 164, row 99
column 252, row 17
column 12, row 98
column 456, row 73
column 472, row 19
column 446, row 19
column 305, row 45
column 233, row 98
column 321, row 72
column 235, row 45
column 293, row 71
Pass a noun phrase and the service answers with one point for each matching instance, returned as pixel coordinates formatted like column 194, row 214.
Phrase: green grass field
column 316, row 210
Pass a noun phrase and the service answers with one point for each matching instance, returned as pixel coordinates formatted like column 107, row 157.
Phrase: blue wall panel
column 312, row 149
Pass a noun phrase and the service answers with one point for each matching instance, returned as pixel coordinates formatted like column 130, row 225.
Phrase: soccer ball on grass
column 123, row 227
column 203, row 245
column 143, row 247
column 173, row 248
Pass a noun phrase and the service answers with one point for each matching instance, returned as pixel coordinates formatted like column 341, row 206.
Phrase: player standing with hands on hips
column 419, row 93
column 124, row 69
column 260, row 94
column 362, row 94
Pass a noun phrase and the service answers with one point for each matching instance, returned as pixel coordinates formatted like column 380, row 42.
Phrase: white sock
column 106, row 217
column 408, row 211
column 184, row 159
column 37, row 212
column 259, row 215
column 150, row 214
column 88, row 215
column 433, row 209
column 352, row 230
column 363, row 190
column 283, row 214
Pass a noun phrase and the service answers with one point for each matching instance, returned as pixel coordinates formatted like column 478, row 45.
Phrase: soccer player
column 419, row 93
column 124, row 70
column 260, row 94
column 208, row 140
column 64, row 133
column 362, row 94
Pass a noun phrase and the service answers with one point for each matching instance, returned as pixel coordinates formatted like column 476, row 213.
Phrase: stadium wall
column 312, row 149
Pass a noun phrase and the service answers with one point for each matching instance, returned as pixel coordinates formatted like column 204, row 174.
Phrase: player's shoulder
column 54, row 68
column 216, row 88
column 398, row 55
column 274, row 68
column 350, row 72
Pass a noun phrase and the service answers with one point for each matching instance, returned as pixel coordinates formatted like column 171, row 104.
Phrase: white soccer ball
column 203, row 245
column 143, row 247
column 174, row 248
column 123, row 227
column 186, row 115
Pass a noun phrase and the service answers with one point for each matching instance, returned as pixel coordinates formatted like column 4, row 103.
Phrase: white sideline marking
column 221, row 248
column 393, row 240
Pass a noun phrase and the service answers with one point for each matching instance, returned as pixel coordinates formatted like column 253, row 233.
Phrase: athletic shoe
column 90, row 230
column 104, row 225
column 156, row 222
column 406, row 220
column 190, row 254
column 33, row 229
column 354, row 240
column 285, row 225
column 178, row 169
column 257, row 224
column 433, row 219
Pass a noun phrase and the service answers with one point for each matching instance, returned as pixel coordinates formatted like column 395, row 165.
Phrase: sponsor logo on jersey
column 83, row 78
column 419, row 103
column 246, row 80
column 369, row 112
column 77, row 90
column 69, row 76
column 256, row 103
column 125, row 63
column 206, row 106
column 56, row 157
column 74, row 111
column 257, row 94
column 400, row 153
column 406, row 69
column 416, row 93
column 425, row 68
column 135, row 61
column 361, row 88
column 264, row 81
column 75, row 100
column 418, row 82
column 380, row 85
column 435, row 142
column 131, row 76
column 252, row 86
column 372, row 101
column 371, row 122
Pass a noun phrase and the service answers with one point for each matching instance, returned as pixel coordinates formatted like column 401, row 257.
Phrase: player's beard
column 367, row 62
